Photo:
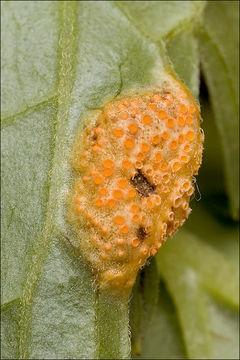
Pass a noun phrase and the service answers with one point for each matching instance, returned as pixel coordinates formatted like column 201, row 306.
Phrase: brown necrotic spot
column 94, row 137
column 141, row 184
column 141, row 233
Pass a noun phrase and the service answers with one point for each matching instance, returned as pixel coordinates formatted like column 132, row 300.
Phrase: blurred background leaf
column 219, row 52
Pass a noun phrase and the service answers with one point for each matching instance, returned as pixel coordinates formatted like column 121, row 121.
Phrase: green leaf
column 27, row 151
column 112, row 313
column 61, row 59
column 172, row 22
column 191, row 268
column 211, row 173
column 163, row 339
column 183, row 52
column 143, row 305
column 57, row 319
column 162, row 20
column 30, row 54
column 9, row 330
column 222, row 234
column 219, row 58
column 224, row 330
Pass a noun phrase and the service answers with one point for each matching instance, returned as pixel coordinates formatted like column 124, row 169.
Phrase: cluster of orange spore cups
column 134, row 166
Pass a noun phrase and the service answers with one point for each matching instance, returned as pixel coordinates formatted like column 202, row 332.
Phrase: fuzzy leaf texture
column 60, row 59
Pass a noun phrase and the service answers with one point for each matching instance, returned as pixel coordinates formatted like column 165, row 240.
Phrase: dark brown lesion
column 142, row 185
column 94, row 137
column 141, row 233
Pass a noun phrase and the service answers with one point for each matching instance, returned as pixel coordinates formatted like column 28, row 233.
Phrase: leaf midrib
column 41, row 251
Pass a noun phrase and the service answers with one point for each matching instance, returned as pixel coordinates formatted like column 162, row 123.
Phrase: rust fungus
column 141, row 184
column 133, row 188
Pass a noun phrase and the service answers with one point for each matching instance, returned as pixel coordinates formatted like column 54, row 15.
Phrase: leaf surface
column 27, row 152
column 143, row 305
column 190, row 274
column 163, row 339
column 62, row 59
column 154, row 21
column 30, row 54
column 219, row 43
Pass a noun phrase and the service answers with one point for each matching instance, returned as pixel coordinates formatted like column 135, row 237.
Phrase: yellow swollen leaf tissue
column 134, row 161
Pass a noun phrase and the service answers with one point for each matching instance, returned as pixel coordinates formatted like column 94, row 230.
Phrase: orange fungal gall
column 156, row 139
column 122, row 183
column 129, row 143
column 133, row 128
column 120, row 254
column 117, row 194
column 158, row 157
column 170, row 123
column 120, row 242
column 147, row 119
column 107, row 172
column 134, row 208
column 162, row 114
column 145, row 147
column 152, row 107
column 124, row 229
column 135, row 242
column 135, row 218
column 119, row 220
column 131, row 193
column 99, row 202
column 182, row 108
column 103, row 191
column 98, row 180
column 190, row 135
column 180, row 121
column 108, row 163
column 111, row 203
column 165, row 135
column 123, row 115
column 118, row 132
column 126, row 164
column 134, row 160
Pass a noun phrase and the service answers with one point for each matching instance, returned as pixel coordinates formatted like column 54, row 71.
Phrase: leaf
column 176, row 30
column 219, row 58
column 224, row 324
column 211, row 174
column 74, row 60
column 189, row 274
column 162, row 20
column 163, row 338
column 9, row 330
column 62, row 59
column 111, row 317
column 143, row 305
column 30, row 56
column 222, row 234
column 183, row 52
column 57, row 319
column 25, row 182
